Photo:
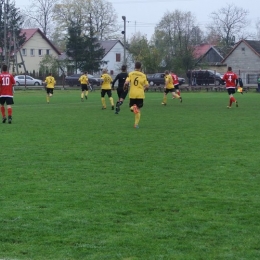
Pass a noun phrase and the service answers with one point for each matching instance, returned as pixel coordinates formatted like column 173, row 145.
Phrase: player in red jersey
column 176, row 83
column 231, row 83
column 6, row 93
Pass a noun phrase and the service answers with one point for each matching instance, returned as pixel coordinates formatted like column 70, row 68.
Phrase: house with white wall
column 33, row 50
column 114, row 55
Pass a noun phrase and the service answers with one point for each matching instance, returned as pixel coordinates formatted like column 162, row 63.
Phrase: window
column 24, row 52
column 243, row 48
column 40, row 52
column 32, row 52
column 48, row 52
column 118, row 57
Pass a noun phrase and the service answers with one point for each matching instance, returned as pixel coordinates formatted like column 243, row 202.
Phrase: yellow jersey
column 50, row 82
column 83, row 79
column 138, row 82
column 169, row 82
column 106, row 81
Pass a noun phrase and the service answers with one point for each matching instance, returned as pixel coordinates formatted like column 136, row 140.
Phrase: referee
column 121, row 93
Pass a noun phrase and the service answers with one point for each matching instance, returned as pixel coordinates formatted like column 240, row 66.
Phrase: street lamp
column 124, row 32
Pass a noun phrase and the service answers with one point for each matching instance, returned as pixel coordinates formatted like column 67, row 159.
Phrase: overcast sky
column 143, row 15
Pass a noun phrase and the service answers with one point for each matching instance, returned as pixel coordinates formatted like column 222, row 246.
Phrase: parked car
column 214, row 77
column 20, row 80
column 158, row 79
column 73, row 80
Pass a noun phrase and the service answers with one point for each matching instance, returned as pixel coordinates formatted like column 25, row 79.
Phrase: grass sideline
column 81, row 183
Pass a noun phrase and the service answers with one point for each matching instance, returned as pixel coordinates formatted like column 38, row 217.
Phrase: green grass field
column 81, row 183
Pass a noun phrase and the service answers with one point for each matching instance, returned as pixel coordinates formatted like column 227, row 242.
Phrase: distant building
column 209, row 56
column 244, row 59
column 114, row 54
column 33, row 50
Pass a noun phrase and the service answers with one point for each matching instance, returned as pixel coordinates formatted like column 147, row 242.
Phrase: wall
column 243, row 59
column 112, row 64
column 244, row 62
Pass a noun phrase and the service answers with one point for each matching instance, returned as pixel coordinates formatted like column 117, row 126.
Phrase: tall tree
column 174, row 37
column 11, row 37
column 229, row 23
column 143, row 51
column 84, row 50
column 40, row 14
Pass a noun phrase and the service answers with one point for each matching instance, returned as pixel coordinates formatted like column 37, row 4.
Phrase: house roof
column 215, row 49
column 107, row 45
column 201, row 50
column 29, row 33
column 253, row 45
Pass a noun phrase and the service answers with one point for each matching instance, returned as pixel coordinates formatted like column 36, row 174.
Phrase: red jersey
column 6, row 84
column 175, row 79
column 230, row 78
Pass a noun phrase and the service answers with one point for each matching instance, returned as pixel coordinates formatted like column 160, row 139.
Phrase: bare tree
column 40, row 14
column 229, row 22
column 258, row 28
column 102, row 15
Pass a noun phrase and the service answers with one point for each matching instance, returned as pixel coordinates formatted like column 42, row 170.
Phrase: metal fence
column 249, row 77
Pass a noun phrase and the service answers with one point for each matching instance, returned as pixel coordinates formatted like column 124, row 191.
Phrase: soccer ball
column 50, row 94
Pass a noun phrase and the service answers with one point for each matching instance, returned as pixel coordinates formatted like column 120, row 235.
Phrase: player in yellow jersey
column 83, row 79
column 106, row 89
column 169, row 87
column 138, row 84
column 50, row 83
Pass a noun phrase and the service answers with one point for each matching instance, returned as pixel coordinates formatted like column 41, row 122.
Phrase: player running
column 50, row 83
column 84, row 85
column 169, row 87
column 176, row 83
column 231, row 82
column 138, row 83
column 6, row 93
column 106, row 89
column 121, row 93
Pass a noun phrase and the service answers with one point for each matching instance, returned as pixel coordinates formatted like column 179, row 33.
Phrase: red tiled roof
column 201, row 49
column 30, row 32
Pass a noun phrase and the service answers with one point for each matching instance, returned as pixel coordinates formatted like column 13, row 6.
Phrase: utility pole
column 124, row 32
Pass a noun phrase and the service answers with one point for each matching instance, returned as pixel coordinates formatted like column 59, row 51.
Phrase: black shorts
column 106, row 91
column 231, row 91
column 6, row 100
column 121, row 93
column 49, row 90
column 167, row 90
column 84, row 87
column 176, row 86
column 139, row 102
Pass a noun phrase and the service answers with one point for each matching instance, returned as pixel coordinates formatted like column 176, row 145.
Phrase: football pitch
column 78, row 182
